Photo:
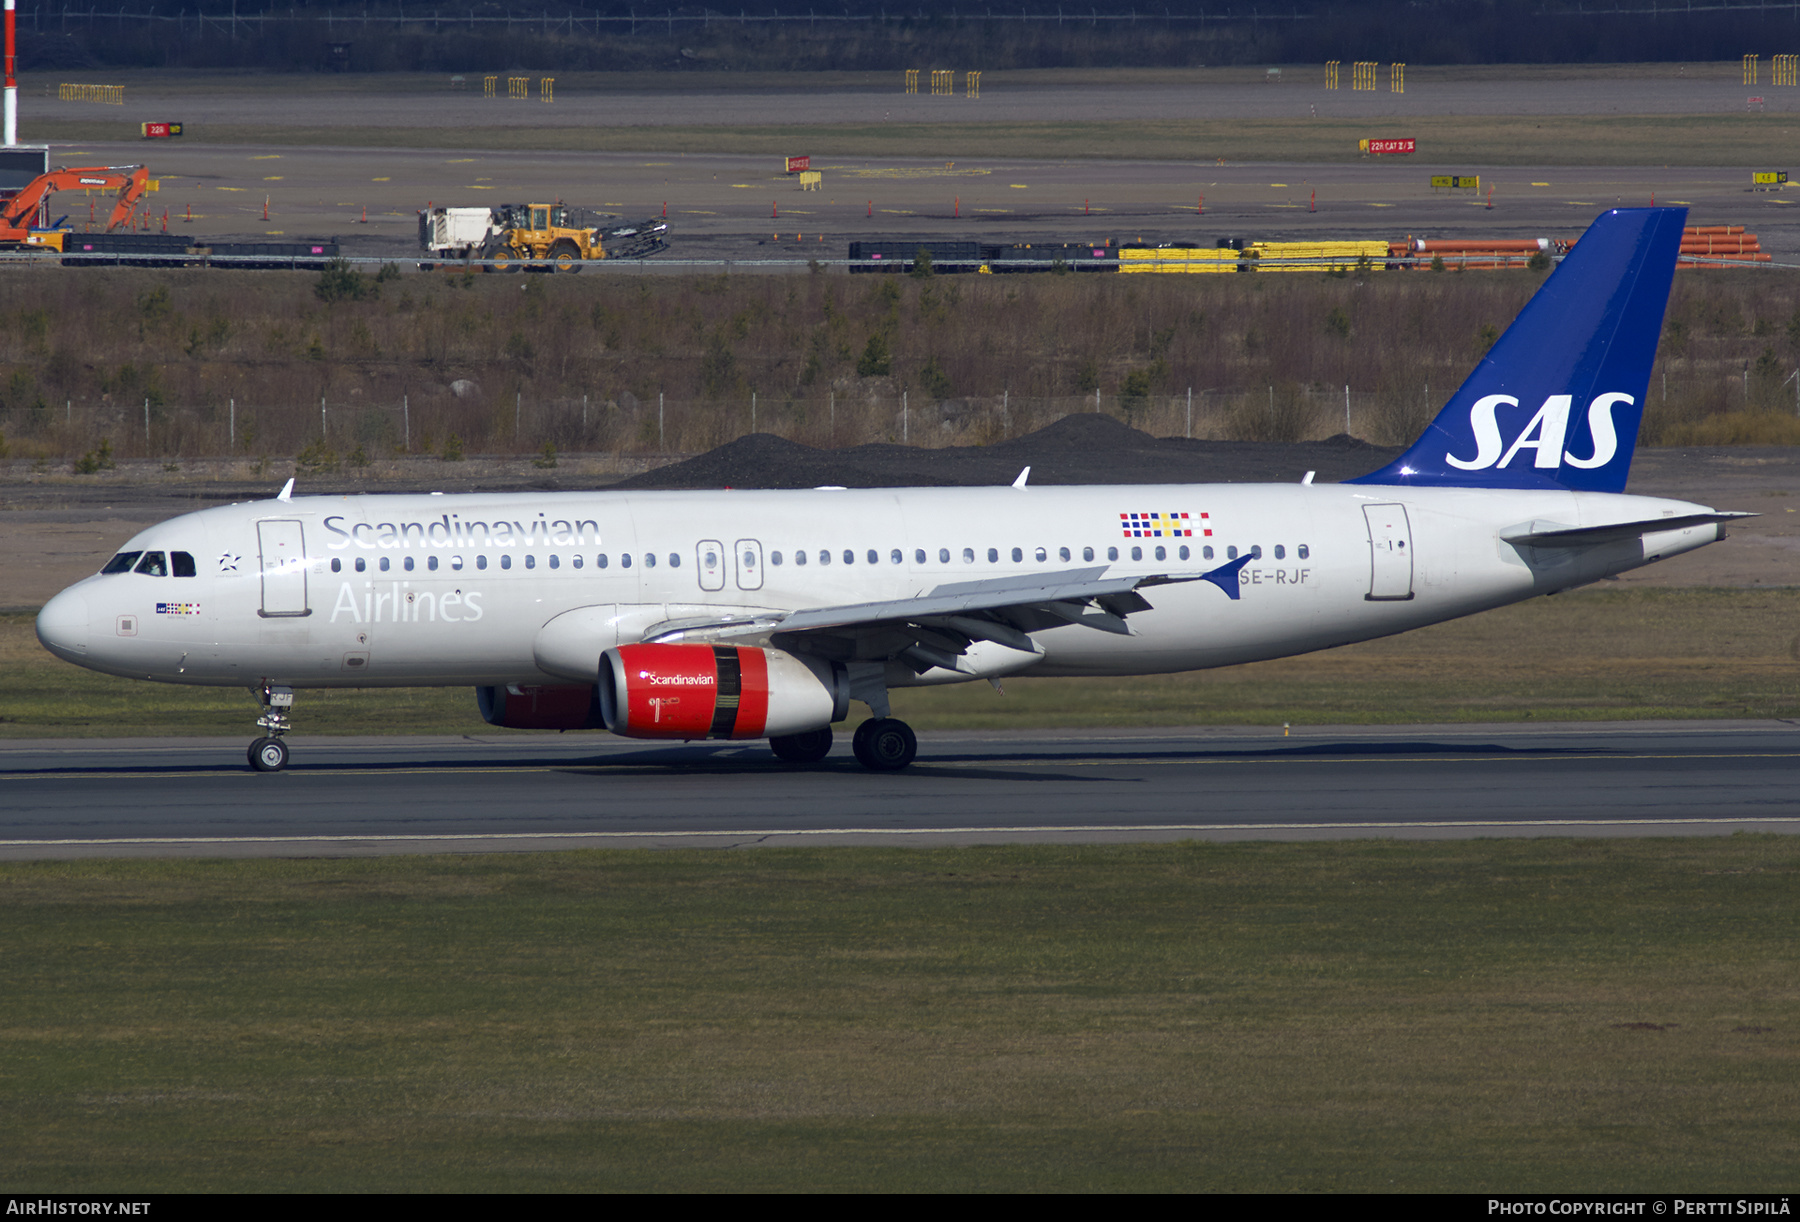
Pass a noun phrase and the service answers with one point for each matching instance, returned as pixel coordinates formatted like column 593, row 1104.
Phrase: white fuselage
column 382, row 590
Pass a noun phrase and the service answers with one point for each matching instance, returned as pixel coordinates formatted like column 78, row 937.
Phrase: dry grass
column 1542, row 140
column 1598, row 654
column 683, row 363
column 1524, row 1015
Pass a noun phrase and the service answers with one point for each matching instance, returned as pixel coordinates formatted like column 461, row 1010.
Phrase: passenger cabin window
column 1303, row 551
column 1112, row 553
column 649, row 560
column 943, row 555
column 800, row 557
column 968, row 555
column 899, row 557
column 337, row 566
column 993, row 555
column 824, row 556
column 506, row 562
column 1018, row 555
column 384, row 564
column 1280, row 552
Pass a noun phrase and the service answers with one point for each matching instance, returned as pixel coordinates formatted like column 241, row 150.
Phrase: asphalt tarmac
column 496, row 793
column 742, row 207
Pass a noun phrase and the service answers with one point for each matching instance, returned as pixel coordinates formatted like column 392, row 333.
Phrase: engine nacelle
column 539, row 708
column 717, row 691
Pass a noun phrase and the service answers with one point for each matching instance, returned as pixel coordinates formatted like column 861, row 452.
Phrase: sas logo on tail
column 1544, row 435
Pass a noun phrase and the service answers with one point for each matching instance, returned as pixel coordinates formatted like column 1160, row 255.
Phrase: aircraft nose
column 63, row 626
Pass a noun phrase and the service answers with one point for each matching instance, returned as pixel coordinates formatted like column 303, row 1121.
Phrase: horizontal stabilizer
column 1555, row 534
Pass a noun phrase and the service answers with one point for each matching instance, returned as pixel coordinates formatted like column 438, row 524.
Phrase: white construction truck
column 550, row 235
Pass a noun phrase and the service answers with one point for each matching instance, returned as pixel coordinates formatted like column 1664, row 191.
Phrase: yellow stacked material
column 1272, row 256
column 1177, row 259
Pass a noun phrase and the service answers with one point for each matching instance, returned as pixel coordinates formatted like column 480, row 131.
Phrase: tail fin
column 1557, row 401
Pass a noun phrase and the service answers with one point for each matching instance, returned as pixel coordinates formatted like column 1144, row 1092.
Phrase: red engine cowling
column 717, row 691
column 539, row 708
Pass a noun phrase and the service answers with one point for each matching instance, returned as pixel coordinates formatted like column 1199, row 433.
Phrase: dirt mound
column 1083, row 449
column 1084, row 431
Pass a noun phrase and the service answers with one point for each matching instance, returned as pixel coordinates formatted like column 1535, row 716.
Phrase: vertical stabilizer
column 1557, row 401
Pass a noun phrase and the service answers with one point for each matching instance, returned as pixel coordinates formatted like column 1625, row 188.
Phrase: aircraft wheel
column 885, row 744
column 807, row 748
column 268, row 755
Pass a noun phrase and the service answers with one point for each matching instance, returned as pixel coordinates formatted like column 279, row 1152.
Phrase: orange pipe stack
column 1480, row 254
column 1724, row 245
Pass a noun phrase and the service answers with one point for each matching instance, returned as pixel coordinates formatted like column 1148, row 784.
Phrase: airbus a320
column 767, row 614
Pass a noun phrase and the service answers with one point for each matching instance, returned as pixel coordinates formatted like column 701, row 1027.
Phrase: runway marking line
column 1017, row 829
column 1001, row 762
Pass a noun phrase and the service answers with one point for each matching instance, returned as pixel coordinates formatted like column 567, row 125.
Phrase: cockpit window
column 154, row 564
column 182, row 563
column 122, row 562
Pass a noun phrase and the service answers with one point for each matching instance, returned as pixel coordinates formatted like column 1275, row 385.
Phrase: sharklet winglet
column 1226, row 576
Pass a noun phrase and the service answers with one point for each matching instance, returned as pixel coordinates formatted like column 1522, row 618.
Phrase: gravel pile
column 1080, row 449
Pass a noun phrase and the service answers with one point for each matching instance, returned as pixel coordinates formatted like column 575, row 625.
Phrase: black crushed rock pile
column 1082, row 449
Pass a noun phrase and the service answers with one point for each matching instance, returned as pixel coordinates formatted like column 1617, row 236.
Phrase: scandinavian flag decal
column 1162, row 525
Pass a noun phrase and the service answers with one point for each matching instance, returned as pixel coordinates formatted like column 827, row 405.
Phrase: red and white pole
column 12, row 86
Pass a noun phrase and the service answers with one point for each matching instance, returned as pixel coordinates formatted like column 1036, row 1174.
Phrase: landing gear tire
column 268, row 755
column 807, row 748
column 884, row 744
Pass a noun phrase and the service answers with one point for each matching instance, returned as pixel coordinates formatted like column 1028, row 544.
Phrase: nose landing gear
column 269, row 753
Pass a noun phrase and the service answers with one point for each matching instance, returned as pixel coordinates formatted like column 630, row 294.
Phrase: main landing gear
column 882, row 744
column 269, row 753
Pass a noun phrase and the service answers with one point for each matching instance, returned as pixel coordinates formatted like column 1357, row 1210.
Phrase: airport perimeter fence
column 346, row 433
column 337, row 433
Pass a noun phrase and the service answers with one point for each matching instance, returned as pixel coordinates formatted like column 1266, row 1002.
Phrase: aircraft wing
column 938, row 625
column 1554, row 534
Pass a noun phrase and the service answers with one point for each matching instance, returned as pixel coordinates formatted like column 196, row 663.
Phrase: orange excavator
column 22, row 217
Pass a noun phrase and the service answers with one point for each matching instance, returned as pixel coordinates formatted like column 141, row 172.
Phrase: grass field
column 1581, row 140
column 1598, row 654
column 1528, row 1015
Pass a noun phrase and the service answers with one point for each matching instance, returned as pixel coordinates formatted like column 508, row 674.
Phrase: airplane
column 765, row 614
